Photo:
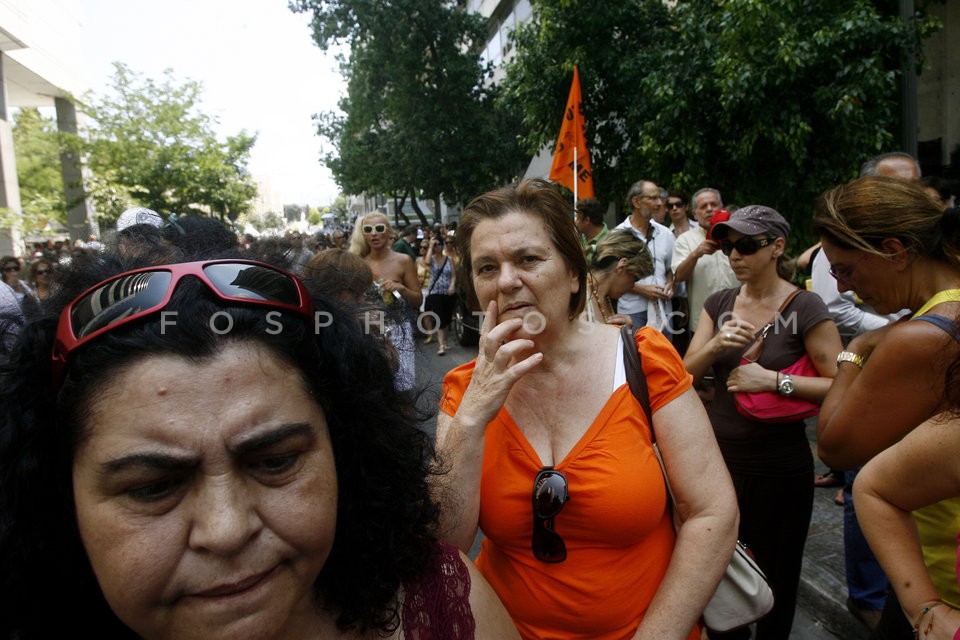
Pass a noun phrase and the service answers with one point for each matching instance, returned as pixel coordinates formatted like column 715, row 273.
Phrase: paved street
column 821, row 614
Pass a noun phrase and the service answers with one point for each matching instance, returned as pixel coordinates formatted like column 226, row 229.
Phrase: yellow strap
column 947, row 295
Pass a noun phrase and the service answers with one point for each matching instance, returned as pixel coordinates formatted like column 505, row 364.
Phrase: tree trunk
column 416, row 207
column 398, row 202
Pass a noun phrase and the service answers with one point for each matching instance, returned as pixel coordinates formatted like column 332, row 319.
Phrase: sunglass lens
column 252, row 282
column 119, row 299
column 549, row 494
column 548, row 546
column 745, row 246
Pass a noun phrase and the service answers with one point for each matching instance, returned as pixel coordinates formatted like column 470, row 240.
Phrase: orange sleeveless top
column 617, row 527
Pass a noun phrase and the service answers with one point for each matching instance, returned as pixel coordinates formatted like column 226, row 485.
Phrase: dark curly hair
column 386, row 518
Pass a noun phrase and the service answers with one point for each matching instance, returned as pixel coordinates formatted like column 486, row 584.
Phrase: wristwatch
column 850, row 356
column 785, row 387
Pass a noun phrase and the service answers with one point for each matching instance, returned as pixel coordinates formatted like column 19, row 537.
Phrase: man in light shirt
column 649, row 302
column 697, row 259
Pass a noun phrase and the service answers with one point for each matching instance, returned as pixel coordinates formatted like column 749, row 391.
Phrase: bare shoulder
column 919, row 334
column 594, row 338
column 491, row 617
column 401, row 259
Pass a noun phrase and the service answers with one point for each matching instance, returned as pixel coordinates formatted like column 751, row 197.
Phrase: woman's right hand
column 733, row 334
column 502, row 360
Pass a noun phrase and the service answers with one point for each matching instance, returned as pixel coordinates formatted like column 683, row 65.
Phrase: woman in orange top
column 550, row 454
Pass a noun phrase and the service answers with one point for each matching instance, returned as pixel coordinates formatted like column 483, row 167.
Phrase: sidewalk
column 823, row 586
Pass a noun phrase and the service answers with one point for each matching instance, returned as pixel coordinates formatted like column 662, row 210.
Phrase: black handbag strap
column 633, row 368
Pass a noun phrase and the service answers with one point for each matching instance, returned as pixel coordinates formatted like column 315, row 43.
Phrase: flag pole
column 575, row 180
column 562, row 171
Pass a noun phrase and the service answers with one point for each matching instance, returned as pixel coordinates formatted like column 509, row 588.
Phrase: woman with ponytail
column 890, row 242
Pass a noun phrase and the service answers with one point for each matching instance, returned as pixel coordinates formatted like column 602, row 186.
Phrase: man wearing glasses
column 696, row 259
column 649, row 302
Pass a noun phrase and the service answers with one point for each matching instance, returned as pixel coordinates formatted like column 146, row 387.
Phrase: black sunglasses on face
column 11, row 268
column 42, row 272
column 549, row 495
column 746, row 246
column 371, row 228
column 674, row 205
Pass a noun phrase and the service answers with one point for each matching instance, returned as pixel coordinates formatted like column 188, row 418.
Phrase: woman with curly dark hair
column 209, row 452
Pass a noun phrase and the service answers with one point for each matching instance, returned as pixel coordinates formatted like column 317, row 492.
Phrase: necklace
column 594, row 289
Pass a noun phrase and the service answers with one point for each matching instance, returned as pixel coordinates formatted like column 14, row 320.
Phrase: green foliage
column 614, row 49
column 771, row 101
column 419, row 117
column 340, row 210
column 291, row 212
column 314, row 217
column 37, row 147
column 150, row 144
column 267, row 221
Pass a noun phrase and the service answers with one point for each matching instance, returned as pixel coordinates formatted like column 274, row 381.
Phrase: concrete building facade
column 40, row 66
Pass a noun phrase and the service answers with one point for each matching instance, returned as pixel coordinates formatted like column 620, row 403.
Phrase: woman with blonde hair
column 395, row 275
column 619, row 260
column 891, row 243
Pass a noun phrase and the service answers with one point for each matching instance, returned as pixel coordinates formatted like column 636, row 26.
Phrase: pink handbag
column 769, row 406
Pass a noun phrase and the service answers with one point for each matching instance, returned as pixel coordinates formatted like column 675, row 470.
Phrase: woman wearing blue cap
column 771, row 464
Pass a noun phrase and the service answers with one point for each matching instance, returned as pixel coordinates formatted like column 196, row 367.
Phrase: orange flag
column 572, row 136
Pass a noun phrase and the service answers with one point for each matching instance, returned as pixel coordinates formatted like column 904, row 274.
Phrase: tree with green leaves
column 614, row 49
column 292, row 212
column 419, row 119
column 37, row 146
column 771, row 101
column 150, row 141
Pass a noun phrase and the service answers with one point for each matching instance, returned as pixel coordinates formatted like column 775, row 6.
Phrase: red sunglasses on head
column 137, row 294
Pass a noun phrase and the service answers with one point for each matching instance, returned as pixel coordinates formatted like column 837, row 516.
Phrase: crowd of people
column 206, row 436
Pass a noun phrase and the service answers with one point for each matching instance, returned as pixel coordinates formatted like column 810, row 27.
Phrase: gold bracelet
column 851, row 357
